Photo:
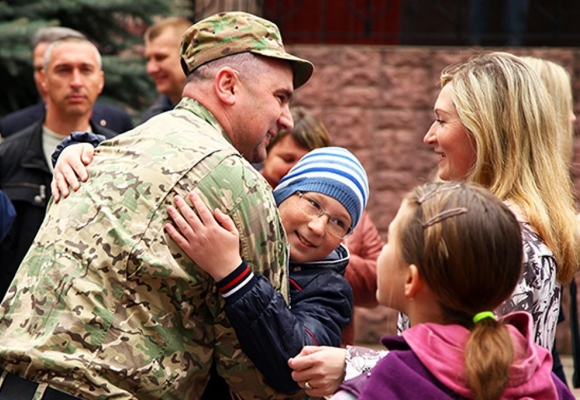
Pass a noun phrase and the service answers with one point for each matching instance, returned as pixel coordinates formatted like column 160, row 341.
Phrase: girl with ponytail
column 453, row 255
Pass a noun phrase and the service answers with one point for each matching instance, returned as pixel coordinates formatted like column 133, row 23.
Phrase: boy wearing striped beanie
column 320, row 200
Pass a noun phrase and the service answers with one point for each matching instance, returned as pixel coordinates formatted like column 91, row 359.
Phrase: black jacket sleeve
column 270, row 332
column 76, row 138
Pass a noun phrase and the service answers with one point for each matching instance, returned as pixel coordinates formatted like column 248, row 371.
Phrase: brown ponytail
column 489, row 353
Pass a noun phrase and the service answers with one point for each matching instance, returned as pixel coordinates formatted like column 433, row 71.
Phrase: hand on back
column 212, row 243
column 70, row 168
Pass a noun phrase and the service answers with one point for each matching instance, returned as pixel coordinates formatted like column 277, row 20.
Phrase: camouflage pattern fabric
column 106, row 305
column 228, row 33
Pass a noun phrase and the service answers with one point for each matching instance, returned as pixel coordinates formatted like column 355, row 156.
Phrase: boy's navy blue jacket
column 321, row 304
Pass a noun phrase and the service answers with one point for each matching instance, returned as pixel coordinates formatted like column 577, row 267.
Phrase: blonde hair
column 502, row 102
column 178, row 24
column 467, row 247
column 559, row 85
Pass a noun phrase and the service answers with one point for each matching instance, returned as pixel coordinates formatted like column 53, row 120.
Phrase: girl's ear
column 226, row 85
column 413, row 281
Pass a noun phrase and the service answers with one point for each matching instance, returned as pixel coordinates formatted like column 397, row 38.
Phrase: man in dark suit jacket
column 104, row 115
column 72, row 80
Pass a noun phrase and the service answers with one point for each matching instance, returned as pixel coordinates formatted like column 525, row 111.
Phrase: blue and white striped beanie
column 333, row 171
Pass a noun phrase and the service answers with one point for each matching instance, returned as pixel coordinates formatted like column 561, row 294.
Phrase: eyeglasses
column 336, row 226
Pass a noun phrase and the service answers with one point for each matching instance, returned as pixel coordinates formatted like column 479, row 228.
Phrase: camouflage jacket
column 106, row 305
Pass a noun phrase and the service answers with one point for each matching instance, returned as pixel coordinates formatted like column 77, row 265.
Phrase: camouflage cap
column 228, row 33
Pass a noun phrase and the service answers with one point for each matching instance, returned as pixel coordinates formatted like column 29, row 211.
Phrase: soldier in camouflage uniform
column 105, row 304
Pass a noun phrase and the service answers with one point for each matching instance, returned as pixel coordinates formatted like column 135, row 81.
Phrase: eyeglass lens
column 336, row 226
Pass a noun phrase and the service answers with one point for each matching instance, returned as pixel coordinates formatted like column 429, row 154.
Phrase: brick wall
column 377, row 101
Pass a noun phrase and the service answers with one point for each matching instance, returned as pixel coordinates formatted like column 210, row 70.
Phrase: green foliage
column 116, row 26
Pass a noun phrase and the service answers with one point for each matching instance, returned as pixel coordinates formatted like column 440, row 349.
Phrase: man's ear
column 42, row 78
column 413, row 281
column 226, row 85
column 102, row 81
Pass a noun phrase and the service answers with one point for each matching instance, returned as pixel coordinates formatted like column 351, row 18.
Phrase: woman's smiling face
column 450, row 140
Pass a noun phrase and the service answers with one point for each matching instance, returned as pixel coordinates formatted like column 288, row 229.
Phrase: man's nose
column 152, row 67
column 76, row 79
column 285, row 121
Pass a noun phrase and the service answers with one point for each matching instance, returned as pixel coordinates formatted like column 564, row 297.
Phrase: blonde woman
column 494, row 126
column 503, row 122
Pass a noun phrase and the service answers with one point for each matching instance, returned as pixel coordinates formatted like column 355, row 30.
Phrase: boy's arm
column 270, row 333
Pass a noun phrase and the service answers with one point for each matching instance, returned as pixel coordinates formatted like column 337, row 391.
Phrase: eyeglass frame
column 322, row 211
